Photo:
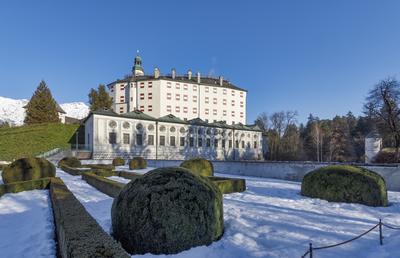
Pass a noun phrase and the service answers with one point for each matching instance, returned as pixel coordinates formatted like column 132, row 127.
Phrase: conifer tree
column 42, row 108
column 99, row 99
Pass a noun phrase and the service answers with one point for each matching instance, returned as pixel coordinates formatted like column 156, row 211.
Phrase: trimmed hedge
column 137, row 163
column 104, row 185
column 99, row 166
column 78, row 234
column 128, row 175
column 345, row 184
column 38, row 184
column 166, row 211
column 199, row 166
column 70, row 161
column 386, row 157
column 118, row 161
column 229, row 185
column 28, row 169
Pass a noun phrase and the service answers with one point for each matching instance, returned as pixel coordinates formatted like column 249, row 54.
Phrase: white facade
column 186, row 97
column 373, row 145
column 109, row 135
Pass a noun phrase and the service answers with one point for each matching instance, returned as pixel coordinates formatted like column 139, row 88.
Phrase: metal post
column 310, row 251
column 380, row 232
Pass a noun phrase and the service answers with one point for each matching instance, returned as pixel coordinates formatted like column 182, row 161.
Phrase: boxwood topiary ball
column 70, row 162
column 137, row 163
column 345, row 184
column 118, row 161
column 28, row 169
column 166, row 211
column 199, row 166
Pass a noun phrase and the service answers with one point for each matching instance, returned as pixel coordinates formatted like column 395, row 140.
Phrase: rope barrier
column 380, row 224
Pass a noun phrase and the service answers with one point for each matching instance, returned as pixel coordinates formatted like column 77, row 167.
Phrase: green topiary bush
column 28, row 169
column 199, row 166
column 345, row 184
column 166, row 211
column 118, row 161
column 137, row 163
column 70, row 162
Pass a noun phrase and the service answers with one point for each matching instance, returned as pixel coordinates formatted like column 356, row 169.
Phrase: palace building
column 173, row 117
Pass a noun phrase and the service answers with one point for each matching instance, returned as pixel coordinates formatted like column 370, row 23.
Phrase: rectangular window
column 182, row 141
column 162, row 140
column 214, row 112
column 241, row 114
column 131, row 98
column 150, row 139
column 121, row 87
column 150, row 108
column 142, row 85
column 248, row 145
column 215, row 101
column 255, row 145
column 191, row 141
column 207, row 89
column 241, row 94
column 185, row 97
column 194, row 88
column 233, row 103
column 169, row 109
column 112, row 138
column 168, row 85
column 177, row 96
column 207, row 111
column 194, row 98
column 150, row 84
column 216, row 143
column 178, row 109
column 126, row 139
column 150, row 96
column 230, row 144
column 168, row 95
column 139, row 139
column 237, row 144
column 241, row 103
column 200, row 142
column 233, row 93
column 242, row 144
column 207, row 100
column 208, row 142
column 141, row 108
column 224, row 112
column 194, row 110
column 141, row 96
column 215, row 90
column 224, row 91
column 224, row 102
column 177, row 86
column 223, row 143
column 233, row 113
column 185, row 109
column 172, row 141
column 185, row 86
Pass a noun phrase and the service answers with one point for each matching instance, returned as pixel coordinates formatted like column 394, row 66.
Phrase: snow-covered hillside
column 12, row 111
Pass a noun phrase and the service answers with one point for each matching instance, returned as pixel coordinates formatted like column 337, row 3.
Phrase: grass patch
column 30, row 140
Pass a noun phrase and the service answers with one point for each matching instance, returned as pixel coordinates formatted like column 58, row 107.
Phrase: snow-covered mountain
column 12, row 111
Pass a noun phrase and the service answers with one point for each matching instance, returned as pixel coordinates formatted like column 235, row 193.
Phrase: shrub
column 99, row 166
column 345, row 184
column 166, row 211
column 199, row 166
column 137, row 163
column 70, row 162
column 118, row 161
column 28, row 169
column 385, row 157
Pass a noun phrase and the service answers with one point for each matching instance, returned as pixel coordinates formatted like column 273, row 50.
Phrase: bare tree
column 382, row 104
column 262, row 121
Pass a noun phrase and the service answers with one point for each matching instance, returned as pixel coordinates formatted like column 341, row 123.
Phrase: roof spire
column 137, row 69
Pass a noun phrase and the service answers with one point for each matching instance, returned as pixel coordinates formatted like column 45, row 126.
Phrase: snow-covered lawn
column 271, row 219
column 26, row 225
column 140, row 171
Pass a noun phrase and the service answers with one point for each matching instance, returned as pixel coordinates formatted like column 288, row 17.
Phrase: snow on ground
column 271, row 219
column 76, row 110
column 119, row 179
column 140, row 171
column 26, row 225
column 95, row 202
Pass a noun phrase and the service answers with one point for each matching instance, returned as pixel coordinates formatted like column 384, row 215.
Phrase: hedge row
column 38, row 184
column 229, row 185
column 78, row 234
column 104, row 185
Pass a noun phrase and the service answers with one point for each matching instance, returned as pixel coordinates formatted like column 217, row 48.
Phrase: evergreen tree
column 99, row 99
column 42, row 108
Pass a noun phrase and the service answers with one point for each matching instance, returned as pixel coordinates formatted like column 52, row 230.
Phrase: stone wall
column 293, row 171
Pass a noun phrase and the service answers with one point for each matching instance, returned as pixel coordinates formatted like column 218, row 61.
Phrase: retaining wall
column 293, row 171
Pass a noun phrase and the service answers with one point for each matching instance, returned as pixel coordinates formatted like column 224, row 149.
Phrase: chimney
column 221, row 80
column 190, row 74
column 156, row 73
column 198, row 77
column 173, row 72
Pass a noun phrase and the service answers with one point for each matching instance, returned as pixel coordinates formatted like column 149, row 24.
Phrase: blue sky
column 317, row 57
